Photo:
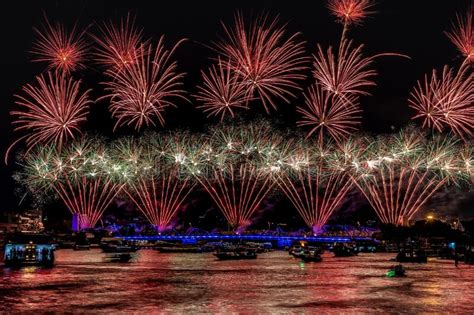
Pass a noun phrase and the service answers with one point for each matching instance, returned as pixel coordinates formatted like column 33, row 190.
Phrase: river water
column 275, row 282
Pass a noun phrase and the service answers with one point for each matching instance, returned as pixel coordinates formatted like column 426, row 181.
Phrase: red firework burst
column 238, row 192
column 119, row 44
column 350, row 11
column 222, row 92
column 397, row 194
column 87, row 197
column 462, row 34
column 159, row 199
column 446, row 101
column 51, row 111
column 348, row 73
column 62, row 50
column 315, row 191
column 141, row 92
column 328, row 113
column 269, row 64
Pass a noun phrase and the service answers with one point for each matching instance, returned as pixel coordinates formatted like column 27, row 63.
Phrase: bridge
column 280, row 241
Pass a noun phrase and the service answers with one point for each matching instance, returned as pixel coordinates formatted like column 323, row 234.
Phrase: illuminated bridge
column 280, row 241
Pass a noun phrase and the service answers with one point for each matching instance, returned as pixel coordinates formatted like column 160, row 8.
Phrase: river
column 82, row 281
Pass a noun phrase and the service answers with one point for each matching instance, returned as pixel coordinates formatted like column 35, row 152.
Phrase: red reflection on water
column 195, row 283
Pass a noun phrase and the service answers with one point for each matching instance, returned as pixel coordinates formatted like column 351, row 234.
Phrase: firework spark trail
column 462, row 34
column 118, row 44
column 270, row 64
column 326, row 114
column 50, row 111
column 81, row 175
column 316, row 191
column 402, row 173
column 235, row 168
column 348, row 73
column 87, row 197
column 397, row 194
column 159, row 199
column 238, row 192
column 141, row 92
column 446, row 101
column 222, row 92
column 63, row 51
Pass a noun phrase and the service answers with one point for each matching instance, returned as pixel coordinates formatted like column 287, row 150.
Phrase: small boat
column 343, row 250
column 29, row 249
column 418, row 256
column 396, row 271
column 296, row 251
column 117, row 246
column 311, row 256
column 119, row 257
column 236, row 253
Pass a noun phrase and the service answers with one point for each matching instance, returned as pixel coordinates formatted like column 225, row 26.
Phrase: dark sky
column 411, row 27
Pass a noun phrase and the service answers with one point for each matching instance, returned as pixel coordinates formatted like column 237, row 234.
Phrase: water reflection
column 196, row 283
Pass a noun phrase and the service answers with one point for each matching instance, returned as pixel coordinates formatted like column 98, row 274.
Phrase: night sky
column 412, row 27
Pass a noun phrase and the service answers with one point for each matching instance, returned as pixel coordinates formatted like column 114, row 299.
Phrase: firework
column 235, row 169
column 62, row 50
column 118, row 44
column 82, row 175
column 462, row 34
column 159, row 199
column 141, row 92
column 350, row 11
column 222, row 92
column 401, row 173
column 446, row 101
column 328, row 114
column 51, row 111
column 268, row 63
column 159, row 186
column 315, row 188
column 346, row 74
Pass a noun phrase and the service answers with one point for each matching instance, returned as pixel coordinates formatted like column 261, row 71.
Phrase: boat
column 296, row 251
column 311, row 256
column 344, row 250
column 236, row 253
column 117, row 245
column 119, row 257
column 29, row 249
column 396, row 271
column 299, row 251
column 412, row 256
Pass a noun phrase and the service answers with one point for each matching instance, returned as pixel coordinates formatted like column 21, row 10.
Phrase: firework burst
column 326, row 114
column 462, row 34
column 399, row 174
column 141, row 92
column 350, row 12
column 446, row 101
column 51, row 111
column 222, row 92
column 348, row 73
column 62, row 50
column 82, row 175
column 315, row 188
column 159, row 186
column 118, row 44
column 268, row 63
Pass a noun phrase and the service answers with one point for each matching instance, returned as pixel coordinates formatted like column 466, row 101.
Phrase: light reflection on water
column 195, row 283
